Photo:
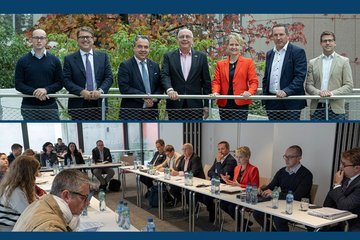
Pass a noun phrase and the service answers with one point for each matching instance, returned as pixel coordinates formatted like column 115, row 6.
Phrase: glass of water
column 304, row 205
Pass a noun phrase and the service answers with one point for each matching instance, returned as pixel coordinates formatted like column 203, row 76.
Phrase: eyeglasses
column 327, row 40
column 344, row 165
column 185, row 37
column 85, row 37
column 84, row 197
column 39, row 38
column 290, row 157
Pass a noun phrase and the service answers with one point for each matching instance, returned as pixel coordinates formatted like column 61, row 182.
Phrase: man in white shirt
column 328, row 74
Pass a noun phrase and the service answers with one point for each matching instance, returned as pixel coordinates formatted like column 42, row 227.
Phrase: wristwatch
column 100, row 90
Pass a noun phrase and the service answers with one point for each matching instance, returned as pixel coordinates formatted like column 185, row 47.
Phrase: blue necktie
column 89, row 76
column 145, row 77
column 345, row 184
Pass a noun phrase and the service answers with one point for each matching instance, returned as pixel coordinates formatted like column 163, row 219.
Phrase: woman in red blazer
column 234, row 76
column 244, row 173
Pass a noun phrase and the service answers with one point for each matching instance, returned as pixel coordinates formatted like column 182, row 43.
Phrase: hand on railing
column 246, row 94
column 325, row 93
column 173, row 95
column 90, row 95
column 215, row 95
column 281, row 94
column 149, row 102
column 41, row 94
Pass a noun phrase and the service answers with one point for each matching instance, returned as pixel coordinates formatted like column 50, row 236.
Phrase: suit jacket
column 346, row 200
column 197, row 83
column 130, row 82
column 227, row 166
column 251, row 174
column 96, row 155
column 78, row 158
column 75, row 75
column 194, row 165
column 292, row 79
column 340, row 82
column 245, row 79
column 158, row 158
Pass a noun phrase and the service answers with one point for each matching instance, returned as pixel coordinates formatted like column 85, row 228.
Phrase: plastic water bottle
column 213, row 182
column 217, row 186
column 102, row 203
column 190, row 179
column 248, row 191
column 126, row 217
column 275, row 198
column 289, row 202
column 119, row 212
column 47, row 162
column 150, row 225
column 254, row 195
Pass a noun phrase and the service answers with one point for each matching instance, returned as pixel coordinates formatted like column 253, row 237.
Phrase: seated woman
column 48, row 158
column 4, row 165
column 17, row 190
column 73, row 156
column 244, row 173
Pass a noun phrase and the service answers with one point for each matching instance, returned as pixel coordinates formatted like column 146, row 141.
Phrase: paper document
column 329, row 213
column 89, row 226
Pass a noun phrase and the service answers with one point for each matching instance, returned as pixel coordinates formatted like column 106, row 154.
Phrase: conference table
column 95, row 220
column 298, row 216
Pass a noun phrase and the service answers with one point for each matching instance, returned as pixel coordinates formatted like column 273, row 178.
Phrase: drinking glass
column 304, row 205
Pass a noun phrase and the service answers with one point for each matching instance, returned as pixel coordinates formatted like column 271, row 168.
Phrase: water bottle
column 190, row 179
column 150, row 225
column 47, row 162
column 289, row 202
column 102, row 203
column 217, row 186
column 254, row 195
column 186, row 176
column 119, row 212
column 248, row 190
column 213, row 182
column 275, row 198
column 126, row 217
column 167, row 173
column 68, row 162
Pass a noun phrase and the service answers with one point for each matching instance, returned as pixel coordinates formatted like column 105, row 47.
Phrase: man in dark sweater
column 294, row 177
column 38, row 73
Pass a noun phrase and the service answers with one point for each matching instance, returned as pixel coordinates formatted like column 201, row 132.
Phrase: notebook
column 329, row 213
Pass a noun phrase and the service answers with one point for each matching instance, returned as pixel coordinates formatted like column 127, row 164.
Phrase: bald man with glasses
column 295, row 177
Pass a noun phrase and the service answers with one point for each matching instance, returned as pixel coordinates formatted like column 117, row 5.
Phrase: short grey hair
column 71, row 179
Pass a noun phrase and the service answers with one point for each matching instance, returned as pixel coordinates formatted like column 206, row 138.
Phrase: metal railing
column 354, row 99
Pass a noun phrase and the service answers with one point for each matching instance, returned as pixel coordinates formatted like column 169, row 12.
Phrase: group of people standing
column 184, row 71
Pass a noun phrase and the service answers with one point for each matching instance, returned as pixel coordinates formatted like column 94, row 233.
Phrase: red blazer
column 251, row 175
column 245, row 79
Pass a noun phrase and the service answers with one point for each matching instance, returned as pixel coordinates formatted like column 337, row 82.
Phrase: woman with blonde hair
column 235, row 75
column 17, row 190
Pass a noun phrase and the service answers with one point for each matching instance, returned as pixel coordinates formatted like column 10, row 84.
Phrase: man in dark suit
column 16, row 150
column 186, row 72
column 87, row 73
column 139, row 75
column 101, row 154
column 285, row 73
column 224, row 164
column 158, row 158
column 346, row 192
column 187, row 162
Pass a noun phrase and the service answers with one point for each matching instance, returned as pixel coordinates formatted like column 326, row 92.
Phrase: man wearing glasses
column 38, row 73
column 186, row 71
column 295, row 177
column 58, row 211
column 346, row 192
column 328, row 74
column 87, row 73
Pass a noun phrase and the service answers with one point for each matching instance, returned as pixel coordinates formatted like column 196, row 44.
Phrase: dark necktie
column 345, row 184
column 89, row 76
column 145, row 77
column 239, row 176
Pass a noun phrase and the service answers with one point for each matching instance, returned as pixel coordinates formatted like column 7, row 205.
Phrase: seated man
column 159, row 158
column 189, row 161
column 346, row 192
column 295, row 177
column 171, row 160
column 101, row 154
column 58, row 211
column 16, row 150
column 224, row 164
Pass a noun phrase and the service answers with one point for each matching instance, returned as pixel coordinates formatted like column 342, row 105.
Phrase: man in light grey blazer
column 328, row 74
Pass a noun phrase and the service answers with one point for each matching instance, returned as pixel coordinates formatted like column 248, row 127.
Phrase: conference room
column 322, row 145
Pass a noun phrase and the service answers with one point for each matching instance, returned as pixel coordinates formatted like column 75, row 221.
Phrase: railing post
column 103, row 108
column 326, row 109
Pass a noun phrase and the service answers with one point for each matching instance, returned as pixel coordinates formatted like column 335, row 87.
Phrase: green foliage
column 12, row 47
column 61, row 45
